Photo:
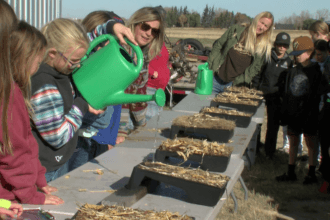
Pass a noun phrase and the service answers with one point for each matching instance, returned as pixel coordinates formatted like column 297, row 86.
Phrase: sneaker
column 310, row 180
column 286, row 178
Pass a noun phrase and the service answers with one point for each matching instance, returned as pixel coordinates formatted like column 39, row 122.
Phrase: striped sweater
column 58, row 116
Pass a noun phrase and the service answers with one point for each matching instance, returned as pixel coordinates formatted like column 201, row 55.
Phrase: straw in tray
column 225, row 111
column 185, row 147
column 102, row 212
column 235, row 100
column 243, row 90
column 194, row 175
column 201, row 120
column 241, row 95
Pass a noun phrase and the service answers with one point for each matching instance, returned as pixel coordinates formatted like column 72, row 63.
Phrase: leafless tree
column 322, row 14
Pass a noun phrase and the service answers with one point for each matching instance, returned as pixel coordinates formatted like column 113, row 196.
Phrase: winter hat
column 282, row 38
column 301, row 45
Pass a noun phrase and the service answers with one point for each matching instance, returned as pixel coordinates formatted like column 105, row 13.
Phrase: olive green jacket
column 220, row 50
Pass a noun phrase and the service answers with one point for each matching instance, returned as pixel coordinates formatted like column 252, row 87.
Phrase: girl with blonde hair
column 58, row 111
column 94, row 136
column 238, row 55
column 21, row 171
column 319, row 30
column 147, row 26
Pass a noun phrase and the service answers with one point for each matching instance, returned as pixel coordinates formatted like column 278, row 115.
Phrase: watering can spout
column 124, row 98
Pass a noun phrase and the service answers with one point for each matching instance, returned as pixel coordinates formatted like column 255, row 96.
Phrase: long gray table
column 118, row 164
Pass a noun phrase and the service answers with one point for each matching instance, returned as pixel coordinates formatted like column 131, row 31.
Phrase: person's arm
column 216, row 49
column 251, row 71
column 56, row 127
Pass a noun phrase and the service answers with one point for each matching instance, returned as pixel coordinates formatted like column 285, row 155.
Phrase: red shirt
column 159, row 64
column 21, row 173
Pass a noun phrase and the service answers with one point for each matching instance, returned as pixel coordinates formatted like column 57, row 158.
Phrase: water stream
column 160, row 109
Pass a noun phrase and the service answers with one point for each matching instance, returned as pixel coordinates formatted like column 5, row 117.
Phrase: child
column 89, row 146
column 58, row 110
column 321, row 56
column 319, row 30
column 147, row 25
column 301, row 97
column 280, row 62
column 10, row 209
column 21, row 174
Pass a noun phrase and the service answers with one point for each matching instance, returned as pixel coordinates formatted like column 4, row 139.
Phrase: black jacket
column 58, row 114
column 301, row 89
column 267, row 80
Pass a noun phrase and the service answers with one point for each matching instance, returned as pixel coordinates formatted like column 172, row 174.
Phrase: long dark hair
column 8, row 22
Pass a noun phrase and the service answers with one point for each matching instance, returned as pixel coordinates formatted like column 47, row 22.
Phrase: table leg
column 235, row 201
column 244, row 187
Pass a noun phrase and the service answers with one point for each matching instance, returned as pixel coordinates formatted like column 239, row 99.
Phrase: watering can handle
column 111, row 38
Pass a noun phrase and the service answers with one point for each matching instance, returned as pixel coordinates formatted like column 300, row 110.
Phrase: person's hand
column 94, row 111
column 120, row 140
column 155, row 75
column 120, row 31
column 110, row 146
column 15, row 209
column 52, row 200
column 48, row 189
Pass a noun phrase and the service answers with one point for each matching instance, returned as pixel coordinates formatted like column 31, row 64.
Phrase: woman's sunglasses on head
column 146, row 27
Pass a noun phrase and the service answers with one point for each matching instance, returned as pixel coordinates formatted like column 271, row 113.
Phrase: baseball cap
column 282, row 38
column 301, row 45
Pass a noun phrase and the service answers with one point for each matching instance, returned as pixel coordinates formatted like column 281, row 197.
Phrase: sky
column 125, row 8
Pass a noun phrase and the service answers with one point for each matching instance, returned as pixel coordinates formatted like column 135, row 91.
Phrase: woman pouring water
column 239, row 54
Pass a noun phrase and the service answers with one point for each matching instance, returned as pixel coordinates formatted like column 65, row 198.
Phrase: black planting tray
column 208, row 162
column 239, row 107
column 197, row 193
column 221, row 136
column 240, row 121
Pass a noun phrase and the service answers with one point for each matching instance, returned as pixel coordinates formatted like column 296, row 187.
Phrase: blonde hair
column 260, row 45
column 320, row 27
column 8, row 22
column 26, row 43
column 95, row 18
column 63, row 34
column 149, row 14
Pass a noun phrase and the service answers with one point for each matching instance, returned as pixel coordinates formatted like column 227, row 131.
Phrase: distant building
column 285, row 26
column 37, row 12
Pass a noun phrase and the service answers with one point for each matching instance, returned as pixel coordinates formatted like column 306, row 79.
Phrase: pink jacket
column 21, row 173
column 159, row 64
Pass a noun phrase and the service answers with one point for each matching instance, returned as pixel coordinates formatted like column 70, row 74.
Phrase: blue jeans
column 152, row 109
column 87, row 149
column 219, row 85
column 52, row 175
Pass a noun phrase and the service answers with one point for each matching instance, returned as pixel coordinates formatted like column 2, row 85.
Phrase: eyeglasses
column 73, row 65
column 146, row 27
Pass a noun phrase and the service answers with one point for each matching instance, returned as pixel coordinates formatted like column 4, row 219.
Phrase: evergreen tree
column 205, row 16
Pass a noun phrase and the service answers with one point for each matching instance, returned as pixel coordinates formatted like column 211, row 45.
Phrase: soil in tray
column 241, row 119
column 210, row 156
column 243, row 90
column 243, row 105
column 233, row 95
column 104, row 212
column 202, row 187
column 203, row 126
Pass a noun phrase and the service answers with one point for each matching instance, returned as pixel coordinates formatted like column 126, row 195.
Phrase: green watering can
column 105, row 74
column 204, row 82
